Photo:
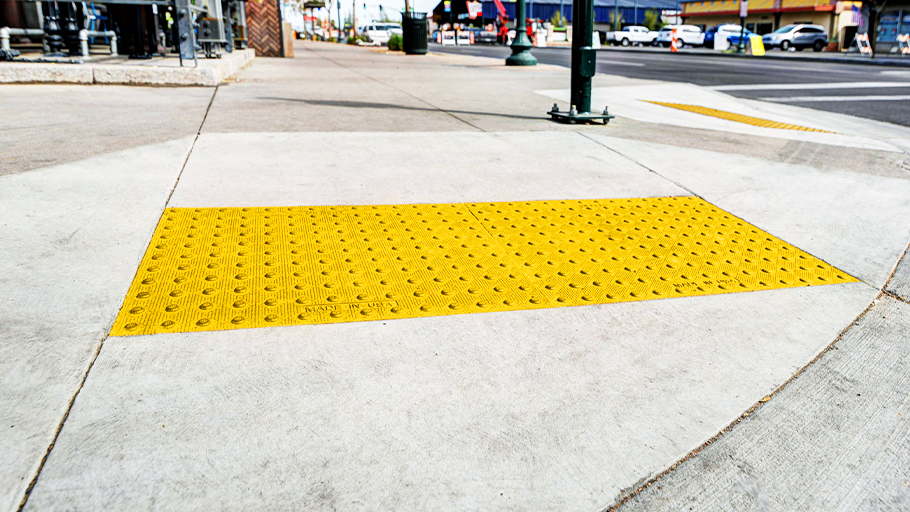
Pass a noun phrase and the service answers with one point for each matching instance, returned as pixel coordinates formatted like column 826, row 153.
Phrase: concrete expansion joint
column 627, row 495
column 91, row 364
column 380, row 82
column 894, row 296
column 643, row 166
column 66, row 414
column 624, row 498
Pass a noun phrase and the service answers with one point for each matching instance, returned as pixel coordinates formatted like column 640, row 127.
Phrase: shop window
column 890, row 25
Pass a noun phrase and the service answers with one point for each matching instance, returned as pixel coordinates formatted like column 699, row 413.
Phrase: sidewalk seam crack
column 361, row 73
column 627, row 495
column 695, row 194
column 69, row 407
column 192, row 146
column 66, row 414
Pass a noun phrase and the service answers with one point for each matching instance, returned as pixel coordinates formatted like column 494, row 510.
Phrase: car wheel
column 625, row 41
column 818, row 46
column 785, row 45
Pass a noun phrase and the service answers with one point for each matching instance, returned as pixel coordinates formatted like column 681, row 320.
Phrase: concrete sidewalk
column 556, row 408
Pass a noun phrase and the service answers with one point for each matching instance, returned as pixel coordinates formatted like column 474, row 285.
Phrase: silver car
column 797, row 37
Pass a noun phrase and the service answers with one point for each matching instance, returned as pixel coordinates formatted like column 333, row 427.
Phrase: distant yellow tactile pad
column 739, row 118
column 228, row 268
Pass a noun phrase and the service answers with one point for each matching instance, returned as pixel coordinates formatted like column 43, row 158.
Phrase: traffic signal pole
column 584, row 67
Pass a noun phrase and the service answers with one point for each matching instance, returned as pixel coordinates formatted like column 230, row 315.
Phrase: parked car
column 734, row 38
column 685, row 35
column 724, row 30
column 634, row 35
column 379, row 33
column 797, row 37
column 486, row 37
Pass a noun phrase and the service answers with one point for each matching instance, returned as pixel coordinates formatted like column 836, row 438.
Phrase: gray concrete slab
column 330, row 87
column 835, row 439
column 855, row 221
column 287, row 169
column 548, row 410
column 854, row 160
column 71, row 237
column 313, row 93
column 46, row 125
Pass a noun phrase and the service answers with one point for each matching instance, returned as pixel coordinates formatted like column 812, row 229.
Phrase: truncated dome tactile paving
column 230, row 268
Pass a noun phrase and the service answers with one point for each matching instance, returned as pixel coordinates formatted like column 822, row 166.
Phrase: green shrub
column 395, row 43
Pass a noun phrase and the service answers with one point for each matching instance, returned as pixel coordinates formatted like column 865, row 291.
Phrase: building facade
column 842, row 19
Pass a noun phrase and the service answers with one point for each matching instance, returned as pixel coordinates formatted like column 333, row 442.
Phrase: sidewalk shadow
column 367, row 104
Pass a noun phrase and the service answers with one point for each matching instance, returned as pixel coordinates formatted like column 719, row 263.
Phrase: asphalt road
column 871, row 91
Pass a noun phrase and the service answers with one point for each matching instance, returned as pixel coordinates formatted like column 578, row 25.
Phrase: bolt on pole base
column 584, row 67
column 573, row 117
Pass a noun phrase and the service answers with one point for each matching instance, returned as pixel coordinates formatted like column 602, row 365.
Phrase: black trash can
column 414, row 33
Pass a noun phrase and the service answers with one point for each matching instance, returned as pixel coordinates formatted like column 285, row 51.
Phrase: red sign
column 501, row 8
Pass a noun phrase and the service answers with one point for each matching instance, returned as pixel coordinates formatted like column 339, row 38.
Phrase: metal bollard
column 85, row 34
column 83, row 42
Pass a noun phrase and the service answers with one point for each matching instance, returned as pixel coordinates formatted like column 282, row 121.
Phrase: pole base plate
column 579, row 117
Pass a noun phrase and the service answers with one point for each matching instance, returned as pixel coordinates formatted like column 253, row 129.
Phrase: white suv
column 685, row 35
column 797, row 37
column 379, row 33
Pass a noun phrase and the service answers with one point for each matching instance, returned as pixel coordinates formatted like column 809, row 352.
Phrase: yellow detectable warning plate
column 739, row 118
column 230, row 268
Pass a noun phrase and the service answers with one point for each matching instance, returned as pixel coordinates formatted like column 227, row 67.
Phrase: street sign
column 447, row 6
column 743, row 8
column 475, row 9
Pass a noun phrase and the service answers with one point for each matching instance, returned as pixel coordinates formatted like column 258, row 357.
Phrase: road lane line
column 783, row 87
column 619, row 63
column 805, row 99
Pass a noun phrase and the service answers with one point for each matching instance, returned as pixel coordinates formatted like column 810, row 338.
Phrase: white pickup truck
column 633, row 35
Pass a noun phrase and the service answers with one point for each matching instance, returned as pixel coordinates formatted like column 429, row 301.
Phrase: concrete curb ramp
column 549, row 409
column 209, row 74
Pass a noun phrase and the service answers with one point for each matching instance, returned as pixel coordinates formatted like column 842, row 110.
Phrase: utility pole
column 584, row 67
column 354, row 17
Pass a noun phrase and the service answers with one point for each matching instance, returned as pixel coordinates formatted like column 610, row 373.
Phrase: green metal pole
column 582, row 48
column 584, row 67
column 521, row 46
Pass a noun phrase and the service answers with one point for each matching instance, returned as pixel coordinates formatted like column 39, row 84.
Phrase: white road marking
column 619, row 63
column 795, row 99
column 783, row 87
